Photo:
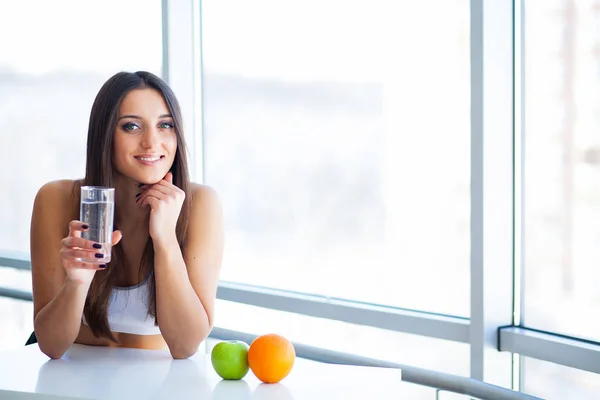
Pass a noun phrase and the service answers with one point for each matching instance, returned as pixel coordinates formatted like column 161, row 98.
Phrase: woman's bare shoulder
column 203, row 195
column 57, row 196
column 198, row 188
column 60, row 189
column 205, row 204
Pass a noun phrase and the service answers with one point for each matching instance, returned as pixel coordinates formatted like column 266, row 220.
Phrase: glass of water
column 97, row 210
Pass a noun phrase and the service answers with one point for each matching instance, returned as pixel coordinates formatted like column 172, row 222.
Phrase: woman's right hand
column 74, row 248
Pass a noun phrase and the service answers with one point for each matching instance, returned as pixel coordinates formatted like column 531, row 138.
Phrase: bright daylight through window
column 375, row 187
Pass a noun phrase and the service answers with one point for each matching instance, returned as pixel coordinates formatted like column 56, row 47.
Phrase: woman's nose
column 150, row 138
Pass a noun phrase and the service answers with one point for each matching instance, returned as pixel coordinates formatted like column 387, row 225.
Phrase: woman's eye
column 165, row 125
column 130, row 126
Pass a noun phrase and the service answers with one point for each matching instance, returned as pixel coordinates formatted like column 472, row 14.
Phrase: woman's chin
column 149, row 180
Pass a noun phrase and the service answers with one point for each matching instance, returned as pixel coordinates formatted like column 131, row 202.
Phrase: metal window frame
column 492, row 323
column 15, row 294
column 390, row 318
column 492, row 185
column 182, row 70
column 519, row 176
column 16, row 260
column 552, row 347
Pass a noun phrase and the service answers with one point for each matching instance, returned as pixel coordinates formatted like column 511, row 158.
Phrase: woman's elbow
column 55, row 356
column 50, row 351
column 180, row 351
column 183, row 353
column 51, row 348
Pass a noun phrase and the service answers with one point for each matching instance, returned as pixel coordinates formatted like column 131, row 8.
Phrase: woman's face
column 145, row 141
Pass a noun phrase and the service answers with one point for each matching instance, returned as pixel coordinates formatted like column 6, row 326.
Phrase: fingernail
column 97, row 245
column 138, row 195
column 102, row 266
column 99, row 255
column 85, row 226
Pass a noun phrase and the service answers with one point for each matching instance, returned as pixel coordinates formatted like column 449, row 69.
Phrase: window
column 341, row 151
column 48, row 81
column 552, row 381
column 17, row 322
column 16, row 315
column 562, row 167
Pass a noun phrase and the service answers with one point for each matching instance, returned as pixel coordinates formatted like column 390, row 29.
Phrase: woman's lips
column 149, row 160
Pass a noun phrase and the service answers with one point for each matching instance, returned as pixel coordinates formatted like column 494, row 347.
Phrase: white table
column 87, row 372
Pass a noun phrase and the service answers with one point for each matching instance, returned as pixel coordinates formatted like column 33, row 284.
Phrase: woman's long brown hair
column 100, row 171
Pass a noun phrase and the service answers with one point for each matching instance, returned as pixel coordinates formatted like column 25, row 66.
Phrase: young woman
column 159, row 288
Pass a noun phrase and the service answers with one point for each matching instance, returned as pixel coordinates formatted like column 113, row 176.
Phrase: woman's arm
column 60, row 281
column 57, row 324
column 57, row 301
column 186, row 283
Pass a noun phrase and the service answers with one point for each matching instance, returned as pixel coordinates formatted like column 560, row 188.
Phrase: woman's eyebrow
column 138, row 117
column 129, row 116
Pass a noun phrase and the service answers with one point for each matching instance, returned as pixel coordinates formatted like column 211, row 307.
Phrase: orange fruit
column 271, row 357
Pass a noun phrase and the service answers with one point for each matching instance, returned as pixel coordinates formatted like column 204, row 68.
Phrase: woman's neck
column 131, row 215
column 133, row 222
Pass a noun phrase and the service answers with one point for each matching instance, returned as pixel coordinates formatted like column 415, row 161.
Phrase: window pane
column 552, row 381
column 15, row 279
column 404, row 348
column 17, row 323
column 16, row 316
column 562, row 167
column 50, row 73
column 335, row 175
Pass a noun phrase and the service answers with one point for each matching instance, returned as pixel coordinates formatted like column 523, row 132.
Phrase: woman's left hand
column 165, row 201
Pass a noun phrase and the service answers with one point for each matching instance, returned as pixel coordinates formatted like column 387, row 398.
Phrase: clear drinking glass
column 97, row 209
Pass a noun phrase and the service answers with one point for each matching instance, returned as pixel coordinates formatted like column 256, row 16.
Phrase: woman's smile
column 149, row 159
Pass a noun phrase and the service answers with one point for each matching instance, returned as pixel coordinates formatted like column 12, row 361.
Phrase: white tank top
column 128, row 310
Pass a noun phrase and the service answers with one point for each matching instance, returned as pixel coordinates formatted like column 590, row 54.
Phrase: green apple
column 230, row 359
